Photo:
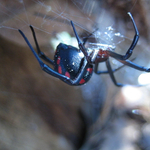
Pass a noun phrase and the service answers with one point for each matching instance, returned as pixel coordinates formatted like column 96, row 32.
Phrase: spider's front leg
column 133, row 44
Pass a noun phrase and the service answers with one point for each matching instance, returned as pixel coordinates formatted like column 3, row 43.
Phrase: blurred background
column 38, row 111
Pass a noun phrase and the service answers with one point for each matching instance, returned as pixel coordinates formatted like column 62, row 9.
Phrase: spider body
column 68, row 61
column 75, row 66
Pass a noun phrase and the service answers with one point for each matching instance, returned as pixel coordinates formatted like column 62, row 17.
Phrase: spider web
column 51, row 21
column 49, row 18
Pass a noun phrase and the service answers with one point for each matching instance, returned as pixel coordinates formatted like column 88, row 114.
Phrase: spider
column 75, row 66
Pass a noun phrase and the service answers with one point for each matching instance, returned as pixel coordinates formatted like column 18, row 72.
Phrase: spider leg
column 50, row 71
column 133, row 44
column 135, row 66
column 110, row 71
column 80, row 43
column 40, row 53
column 105, row 72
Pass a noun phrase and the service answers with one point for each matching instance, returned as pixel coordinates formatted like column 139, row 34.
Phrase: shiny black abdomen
column 68, row 61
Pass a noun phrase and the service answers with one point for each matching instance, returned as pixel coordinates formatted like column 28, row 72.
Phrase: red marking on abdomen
column 82, row 81
column 59, row 69
column 58, row 60
column 67, row 74
column 90, row 70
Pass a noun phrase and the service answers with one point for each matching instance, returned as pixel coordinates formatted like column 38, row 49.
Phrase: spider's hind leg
column 40, row 53
column 132, row 46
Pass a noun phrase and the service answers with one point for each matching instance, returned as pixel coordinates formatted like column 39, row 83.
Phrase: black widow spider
column 75, row 66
